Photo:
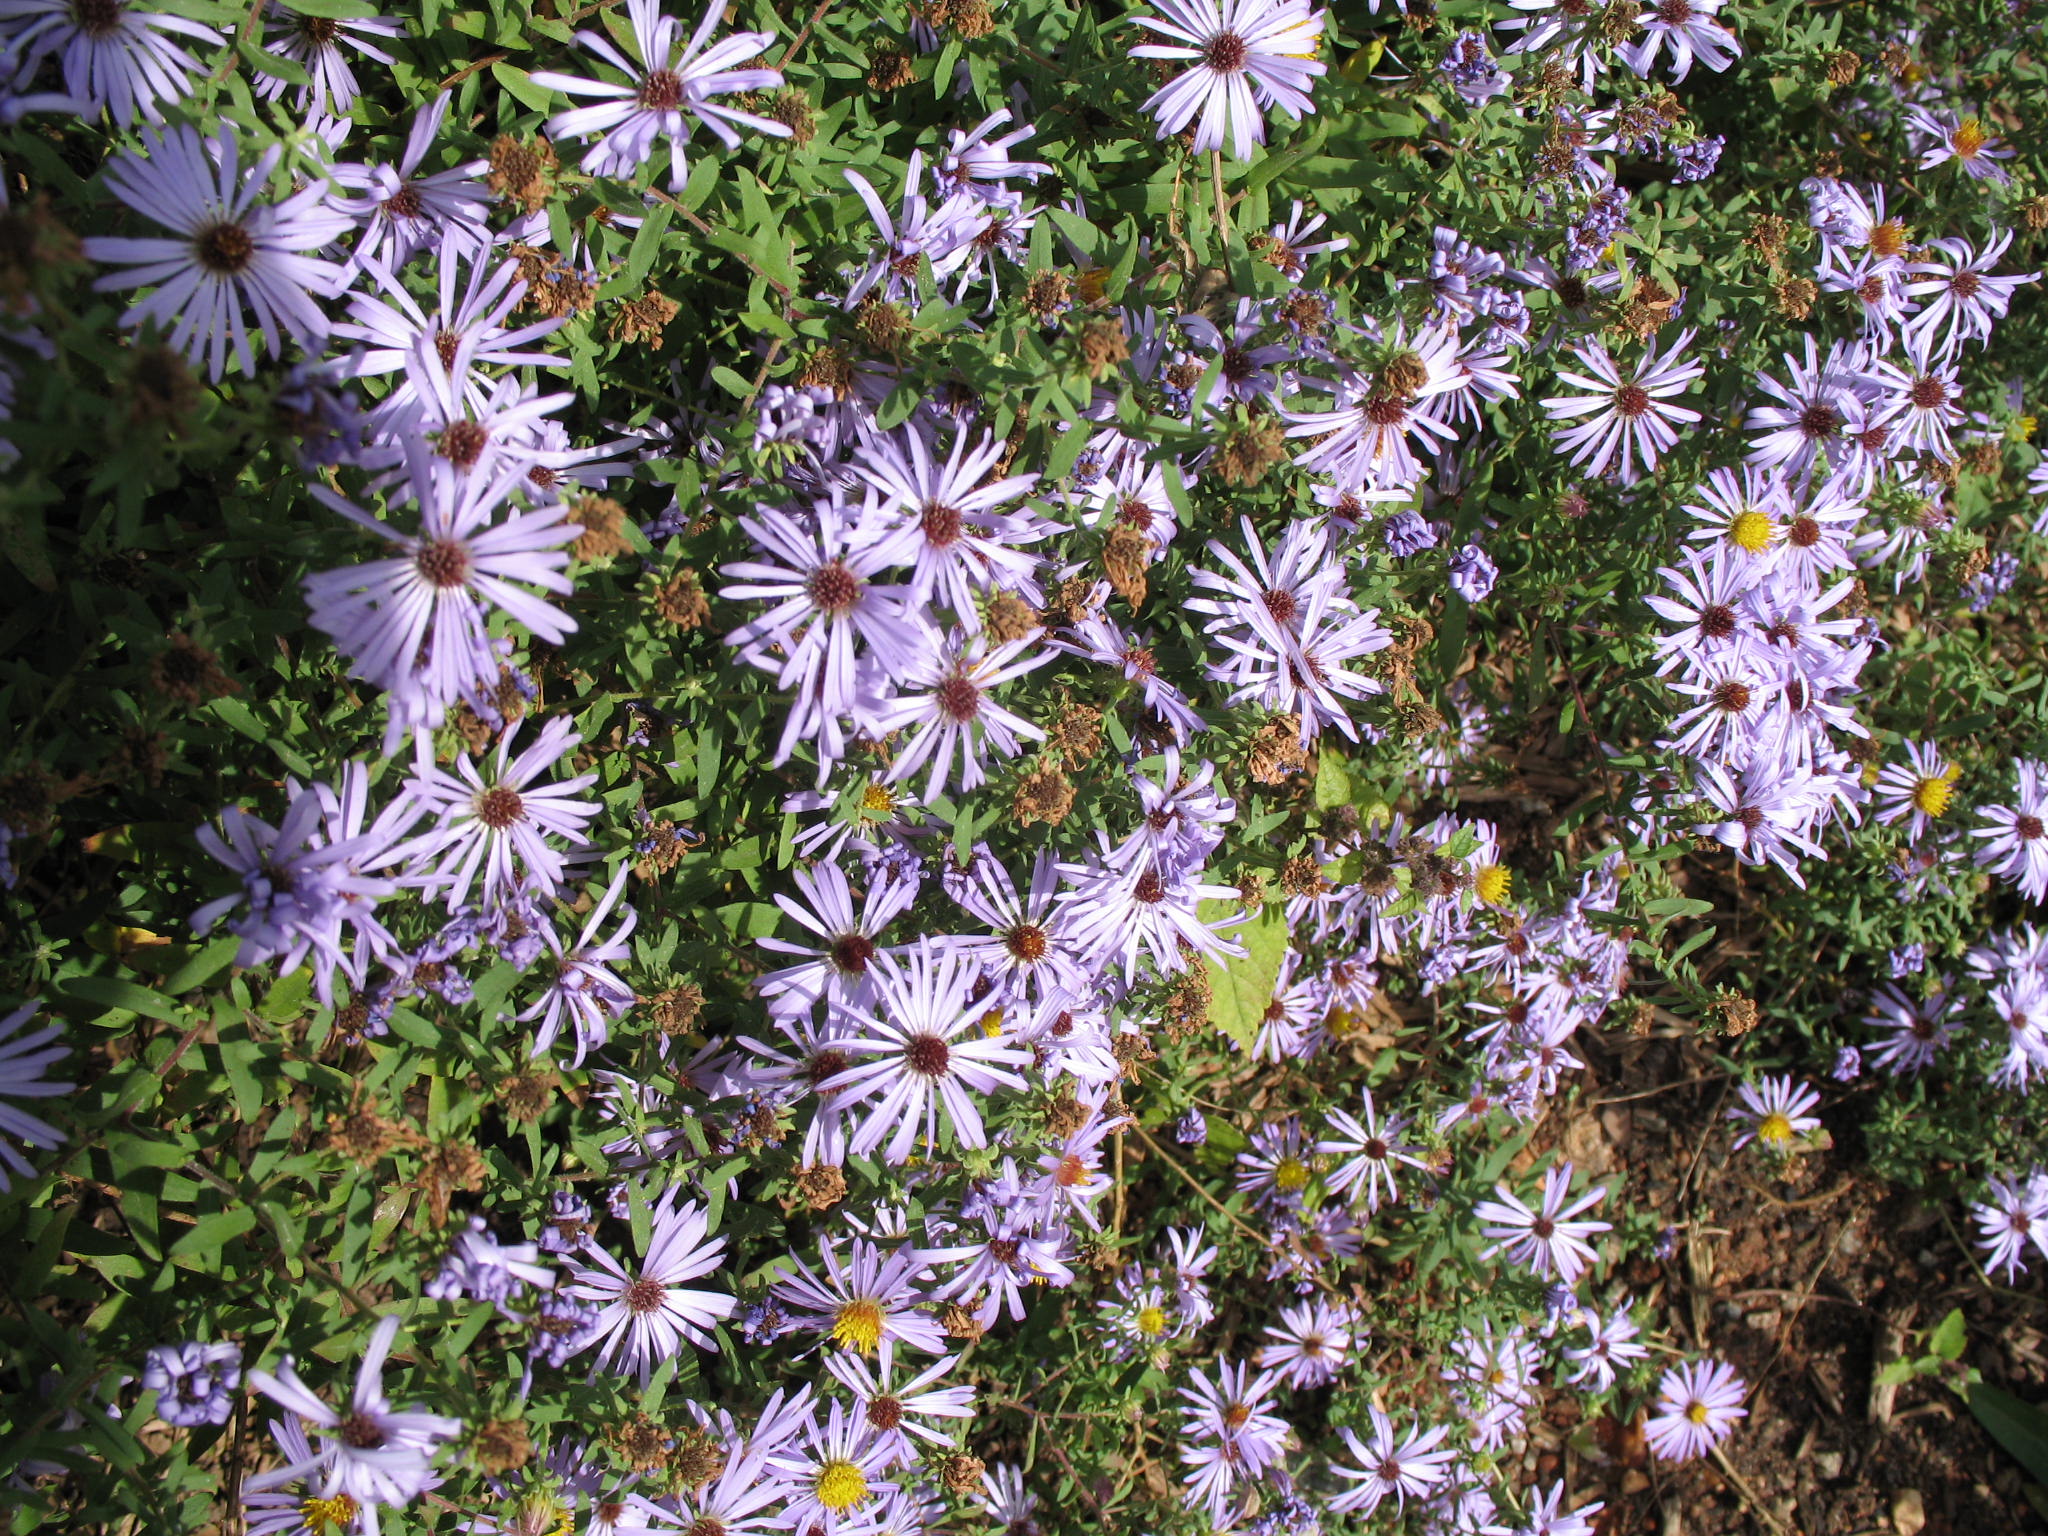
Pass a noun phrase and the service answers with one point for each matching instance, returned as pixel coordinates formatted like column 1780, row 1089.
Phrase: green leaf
column 523, row 90
column 1949, row 1336
column 1241, row 989
column 286, row 1002
column 214, row 1232
column 2020, row 1427
column 112, row 992
column 1333, row 782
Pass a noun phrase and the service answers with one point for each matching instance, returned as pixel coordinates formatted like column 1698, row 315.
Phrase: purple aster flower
column 402, row 211
column 1774, row 1112
column 867, row 1303
column 1962, row 139
column 915, row 1057
column 314, row 43
column 563, row 1328
column 114, row 58
column 231, row 253
column 480, row 1268
column 2014, row 847
column 1689, row 30
column 1227, row 1435
column 644, row 1317
column 1848, row 1065
column 1920, row 789
column 1246, row 55
column 977, row 160
column 1696, row 161
column 1389, row 1465
column 416, row 624
column 1819, row 404
column 1472, row 573
column 668, row 91
column 1191, row 1129
column 1610, row 1346
column 1629, row 420
column 23, row 1061
column 1120, row 916
column 820, row 576
column 194, row 1383
column 1310, row 1344
column 1962, row 300
column 299, row 884
column 953, row 531
column 841, row 966
column 1367, row 1150
column 585, row 994
column 1470, row 68
column 1546, row 1240
column 496, row 822
column 949, row 712
column 2014, row 1215
column 1697, row 1406
column 372, row 1453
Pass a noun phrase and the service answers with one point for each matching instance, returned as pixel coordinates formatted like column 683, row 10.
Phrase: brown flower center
column 1632, row 400
column 444, row 563
column 645, row 1295
column 940, row 523
column 499, row 806
column 360, row 1432
column 851, row 953
column 223, row 248
column 928, row 1055
column 1226, row 53
column 662, row 91
column 832, row 588
column 1818, row 421
column 959, row 700
column 1026, row 941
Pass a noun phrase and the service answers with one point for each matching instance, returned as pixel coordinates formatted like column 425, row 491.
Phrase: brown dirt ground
column 1806, row 1281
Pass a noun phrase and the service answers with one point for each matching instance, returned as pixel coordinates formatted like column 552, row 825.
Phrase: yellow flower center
column 1343, row 1021
column 992, row 1023
column 1932, row 796
column 1751, row 530
column 1290, row 1174
column 1151, row 1321
column 1494, row 884
column 858, row 1326
column 1696, row 1411
column 1969, row 139
column 840, row 1485
column 878, row 800
column 1775, row 1128
column 2023, row 428
column 318, row 1514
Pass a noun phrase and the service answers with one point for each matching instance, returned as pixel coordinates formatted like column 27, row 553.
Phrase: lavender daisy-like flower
column 644, row 1317
column 1963, row 139
column 867, row 1303
column 1310, row 1344
column 1697, row 1406
column 667, row 91
column 1689, row 30
column 954, row 533
column 585, row 993
column 403, row 211
column 1774, row 1112
column 916, row 1058
column 115, row 57
column 833, row 1467
column 496, row 822
column 950, row 713
column 819, row 575
column 1961, row 300
column 231, row 253
column 416, row 624
column 1389, row 1465
column 23, row 1061
column 2014, row 1214
column 1366, row 1150
column 194, row 1383
column 1610, row 1345
column 314, row 43
column 1919, row 789
column 1546, row 1240
column 373, row 1453
column 2014, row 846
column 1248, row 55
column 1227, row 1434
column 1629, row 420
